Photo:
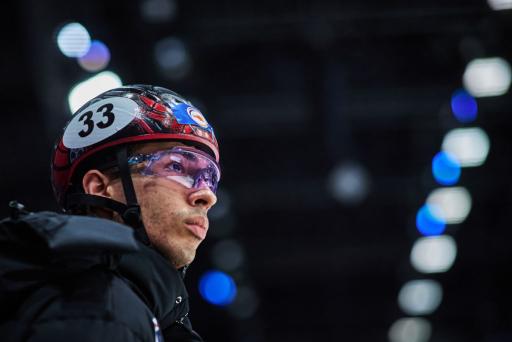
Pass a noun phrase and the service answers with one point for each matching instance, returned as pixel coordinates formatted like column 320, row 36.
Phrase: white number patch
column 99, row 121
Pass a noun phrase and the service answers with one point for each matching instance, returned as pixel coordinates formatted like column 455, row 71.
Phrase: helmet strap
column 128, row 215
column 131, row 215
column 129, row 212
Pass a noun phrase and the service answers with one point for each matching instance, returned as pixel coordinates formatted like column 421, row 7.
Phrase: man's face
column 175, row 217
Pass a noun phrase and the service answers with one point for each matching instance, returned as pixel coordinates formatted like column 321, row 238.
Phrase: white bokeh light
column 86, row 90
column 158, row 11
column 454, row 203
column 433, row 254
column 245, row 304
column 410, row 329
column 173, row 58
column 228, row 255
column 499, row 5
column 470, row 146
column 349, row 183
column 487, row 77
column 73, row 40
column 420, row 297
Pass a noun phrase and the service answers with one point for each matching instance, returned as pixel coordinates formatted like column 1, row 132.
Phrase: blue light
column 464, row 106
column 446, row 168
column 96, row 58
column 429, row 220
column 217, row 288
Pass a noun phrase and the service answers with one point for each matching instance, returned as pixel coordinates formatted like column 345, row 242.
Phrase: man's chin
column 181, row 259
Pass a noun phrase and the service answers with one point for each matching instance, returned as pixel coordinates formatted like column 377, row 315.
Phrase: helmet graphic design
column 121, row 116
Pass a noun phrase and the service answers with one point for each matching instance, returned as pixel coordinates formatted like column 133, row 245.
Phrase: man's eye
column 175, row 167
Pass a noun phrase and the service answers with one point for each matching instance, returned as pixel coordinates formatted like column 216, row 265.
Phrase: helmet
column 121, row 116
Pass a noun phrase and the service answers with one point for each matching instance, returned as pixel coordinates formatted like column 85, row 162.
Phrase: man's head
column 134, row 130
column 174, row 215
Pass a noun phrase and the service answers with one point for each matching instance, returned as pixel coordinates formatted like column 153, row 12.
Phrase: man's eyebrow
column 189, row 155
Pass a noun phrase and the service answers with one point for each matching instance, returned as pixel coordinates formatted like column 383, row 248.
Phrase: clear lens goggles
column 189, row 167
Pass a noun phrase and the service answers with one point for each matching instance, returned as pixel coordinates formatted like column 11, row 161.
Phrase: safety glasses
column 189, row 167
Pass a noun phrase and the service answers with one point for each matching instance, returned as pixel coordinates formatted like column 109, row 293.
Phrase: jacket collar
column 155, row 279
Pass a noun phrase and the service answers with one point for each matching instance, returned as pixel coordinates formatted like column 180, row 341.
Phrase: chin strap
column 131, row 215
column 130, row 212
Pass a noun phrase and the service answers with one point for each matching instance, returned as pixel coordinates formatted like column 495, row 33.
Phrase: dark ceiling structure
column 295, row 89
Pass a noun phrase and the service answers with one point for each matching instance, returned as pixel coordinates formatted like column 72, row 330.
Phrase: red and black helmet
column 121, row 116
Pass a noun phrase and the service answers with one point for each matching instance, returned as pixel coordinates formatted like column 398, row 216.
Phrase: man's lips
column 197, row 226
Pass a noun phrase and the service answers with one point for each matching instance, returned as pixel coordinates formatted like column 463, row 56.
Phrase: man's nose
column 202, row 196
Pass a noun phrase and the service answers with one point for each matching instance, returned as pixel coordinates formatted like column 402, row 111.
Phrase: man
column 138, row 156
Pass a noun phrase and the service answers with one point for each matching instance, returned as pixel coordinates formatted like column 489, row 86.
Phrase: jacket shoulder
column 59, row 233
column 94, row 305
column 58, row 276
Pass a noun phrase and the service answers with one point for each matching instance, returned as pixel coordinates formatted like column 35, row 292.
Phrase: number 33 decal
column 86, row 117
column 99, row 121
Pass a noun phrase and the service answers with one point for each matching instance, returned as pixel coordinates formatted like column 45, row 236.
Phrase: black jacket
column 78, row 278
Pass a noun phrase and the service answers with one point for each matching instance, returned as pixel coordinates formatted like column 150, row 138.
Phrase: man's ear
column 96, row 183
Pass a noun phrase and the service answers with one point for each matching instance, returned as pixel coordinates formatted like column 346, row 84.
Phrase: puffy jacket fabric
column 78, row 278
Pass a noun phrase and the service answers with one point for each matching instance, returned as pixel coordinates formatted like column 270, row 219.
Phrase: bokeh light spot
column 420, row 297
column 410, row 329
column 96, row 58
column 464, row 106
column 86, row 90
column 433, row 254
column 349, row 183
column 469, row 146
column 217, row 288
column 445, row 168
column 73, row 40
column 430, row 220
column 487, row 77
column 455, row 203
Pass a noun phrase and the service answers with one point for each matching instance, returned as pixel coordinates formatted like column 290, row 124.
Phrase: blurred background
column 364, row 146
